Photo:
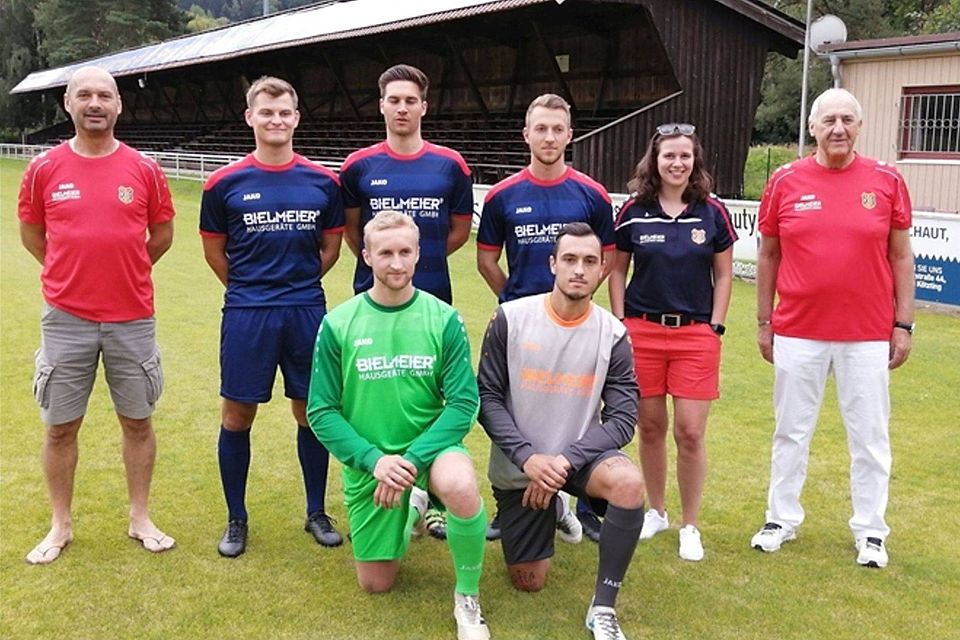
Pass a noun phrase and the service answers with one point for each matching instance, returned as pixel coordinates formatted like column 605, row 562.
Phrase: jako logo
column 524, row 210
column 251, row 196
column 378, row 182
column 362, row 342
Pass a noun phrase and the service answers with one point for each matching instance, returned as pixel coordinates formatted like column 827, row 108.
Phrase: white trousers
column 862, row 378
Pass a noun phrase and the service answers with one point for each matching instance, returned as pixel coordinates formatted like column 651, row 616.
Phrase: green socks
column 467, row 539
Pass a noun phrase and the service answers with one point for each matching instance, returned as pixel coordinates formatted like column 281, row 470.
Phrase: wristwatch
column 906, row 326
column 718, row 329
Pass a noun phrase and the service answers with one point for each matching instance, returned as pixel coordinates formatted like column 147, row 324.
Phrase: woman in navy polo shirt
column 680, row 239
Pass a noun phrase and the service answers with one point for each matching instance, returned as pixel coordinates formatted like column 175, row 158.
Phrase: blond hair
column 389, row 220
column 548, row 101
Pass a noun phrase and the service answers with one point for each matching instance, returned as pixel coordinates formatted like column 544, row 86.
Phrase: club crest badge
column 868, row 199
column 699, row 236
column 125, row 194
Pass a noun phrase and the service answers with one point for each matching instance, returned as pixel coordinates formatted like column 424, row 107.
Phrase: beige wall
column 934, row 185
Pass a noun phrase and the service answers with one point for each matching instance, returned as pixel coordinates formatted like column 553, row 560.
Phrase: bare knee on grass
column 529, row 576
column 377, row 577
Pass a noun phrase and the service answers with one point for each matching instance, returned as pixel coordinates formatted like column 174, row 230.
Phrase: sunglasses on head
column 676, row 127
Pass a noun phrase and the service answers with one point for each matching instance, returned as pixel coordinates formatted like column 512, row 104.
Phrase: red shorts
column 684, row 362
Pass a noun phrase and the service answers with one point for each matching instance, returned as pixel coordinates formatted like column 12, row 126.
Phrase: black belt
column 672, row 320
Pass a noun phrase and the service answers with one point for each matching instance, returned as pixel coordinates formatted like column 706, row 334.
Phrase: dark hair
column 576, row 229
column 404, row 72
column 646, row 177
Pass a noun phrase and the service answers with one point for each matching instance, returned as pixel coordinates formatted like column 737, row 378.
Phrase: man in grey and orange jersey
column 558, row 398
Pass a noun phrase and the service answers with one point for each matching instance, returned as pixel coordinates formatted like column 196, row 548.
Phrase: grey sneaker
column 470, row 622
column 320, row 526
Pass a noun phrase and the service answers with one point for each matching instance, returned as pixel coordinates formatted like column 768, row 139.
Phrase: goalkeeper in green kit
column 392, row 396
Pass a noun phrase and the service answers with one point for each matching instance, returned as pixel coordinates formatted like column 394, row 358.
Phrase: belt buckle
column 671, row 320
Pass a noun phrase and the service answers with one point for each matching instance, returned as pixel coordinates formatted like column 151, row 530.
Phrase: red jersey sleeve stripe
column 223, row 172
column 447, row 152
column 319, row 168
column 623, row 211
column 725, row 215
column 360, row 154
column 584, row 179
column 506, row 182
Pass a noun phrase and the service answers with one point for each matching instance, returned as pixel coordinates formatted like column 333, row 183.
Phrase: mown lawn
column 286, row 586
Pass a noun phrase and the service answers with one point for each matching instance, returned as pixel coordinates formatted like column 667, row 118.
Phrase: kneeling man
column 392, row 396
column 558, row 398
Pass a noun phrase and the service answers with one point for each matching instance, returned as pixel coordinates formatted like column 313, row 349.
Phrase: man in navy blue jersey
column 524, row 213
column 429, row 183
column 271, row 226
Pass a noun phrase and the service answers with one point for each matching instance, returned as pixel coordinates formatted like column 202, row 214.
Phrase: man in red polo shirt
column 836, row 250
column 97, row 215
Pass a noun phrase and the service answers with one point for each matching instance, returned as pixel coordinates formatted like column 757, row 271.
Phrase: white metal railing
column 182, row 166
column 22, row 151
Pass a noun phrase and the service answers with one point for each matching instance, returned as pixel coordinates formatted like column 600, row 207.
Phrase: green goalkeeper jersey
column 391, row 380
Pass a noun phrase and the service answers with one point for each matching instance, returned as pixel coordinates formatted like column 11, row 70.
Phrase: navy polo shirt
column 672, row 257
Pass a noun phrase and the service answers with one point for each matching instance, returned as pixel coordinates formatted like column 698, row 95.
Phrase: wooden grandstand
column 624, row 65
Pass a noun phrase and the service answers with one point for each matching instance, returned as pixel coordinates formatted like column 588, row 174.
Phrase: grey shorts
column 526, row 535
column 68, row 357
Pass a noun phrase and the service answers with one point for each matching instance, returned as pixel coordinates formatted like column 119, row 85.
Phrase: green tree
column 777, row 119
column 943, row 19
column 19, row 55
column 202, row 20
column 75, row 30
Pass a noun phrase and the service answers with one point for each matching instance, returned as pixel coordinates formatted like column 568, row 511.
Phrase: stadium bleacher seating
column 493, row 147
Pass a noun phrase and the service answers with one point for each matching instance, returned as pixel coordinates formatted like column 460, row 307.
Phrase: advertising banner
column 935, row 238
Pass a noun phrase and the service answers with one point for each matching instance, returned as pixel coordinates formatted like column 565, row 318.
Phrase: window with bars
column 930, row 122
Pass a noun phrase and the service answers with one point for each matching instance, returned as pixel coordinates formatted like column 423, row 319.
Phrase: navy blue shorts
column 253, row 341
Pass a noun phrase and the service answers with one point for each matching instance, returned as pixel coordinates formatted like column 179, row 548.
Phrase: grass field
column 762, row 161
column 286, row 586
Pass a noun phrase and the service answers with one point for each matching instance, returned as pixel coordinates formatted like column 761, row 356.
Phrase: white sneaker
column 872, row 553
column 470, row 622
column 653, row 523
column 568, row 526
column 771, row 537
column 691, row 548
column 603, row 624
column 420, row 501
